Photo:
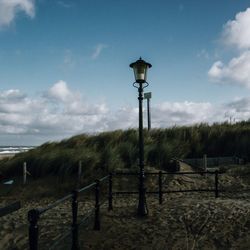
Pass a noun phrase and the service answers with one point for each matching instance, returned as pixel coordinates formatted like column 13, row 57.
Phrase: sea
column 5, row 150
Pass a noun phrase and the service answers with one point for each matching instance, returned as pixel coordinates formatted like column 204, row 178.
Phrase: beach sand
column 181, row 222
column 184, row 220
column 3, row 156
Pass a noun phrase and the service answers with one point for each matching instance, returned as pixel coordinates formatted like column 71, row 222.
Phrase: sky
column 64, row 65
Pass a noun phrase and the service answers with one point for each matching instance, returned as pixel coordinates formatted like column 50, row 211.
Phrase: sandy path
column 183, row 221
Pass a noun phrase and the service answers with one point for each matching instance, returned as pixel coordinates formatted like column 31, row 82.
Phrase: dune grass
column 118, row 149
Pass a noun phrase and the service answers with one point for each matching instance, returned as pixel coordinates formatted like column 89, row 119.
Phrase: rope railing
column 54, row 204
column 10, row 208
column 160, row 190
column 34, row 215
column 87, row 187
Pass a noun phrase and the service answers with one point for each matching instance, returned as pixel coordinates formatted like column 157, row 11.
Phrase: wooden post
column 24, row 173
column 33, row 216
column 205, row 162
column 97, row 206
column 79, row 174
column 216, row 184
column 75, row 244
column 110, row 192
column 160, row 187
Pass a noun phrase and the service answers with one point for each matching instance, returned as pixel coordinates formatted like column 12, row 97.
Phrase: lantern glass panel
column 140, row 71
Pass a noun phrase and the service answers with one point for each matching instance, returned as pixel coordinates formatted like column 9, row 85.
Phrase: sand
column 181, row 222
column 3, row 156
column 184, row 221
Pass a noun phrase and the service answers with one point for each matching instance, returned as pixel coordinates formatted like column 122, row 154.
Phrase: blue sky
column 64, row 65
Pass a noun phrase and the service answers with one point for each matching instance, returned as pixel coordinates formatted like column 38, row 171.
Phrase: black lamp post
column 140, row 68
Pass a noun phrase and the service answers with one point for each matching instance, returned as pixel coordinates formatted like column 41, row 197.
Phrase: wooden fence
column 211, row 162
column 160, row 190
column 34, row 214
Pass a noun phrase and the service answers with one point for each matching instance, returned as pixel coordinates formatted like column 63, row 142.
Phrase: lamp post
column 148, row 96
column 140, row 68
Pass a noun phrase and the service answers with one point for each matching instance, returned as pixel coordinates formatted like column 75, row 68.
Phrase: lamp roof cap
column 140, row 61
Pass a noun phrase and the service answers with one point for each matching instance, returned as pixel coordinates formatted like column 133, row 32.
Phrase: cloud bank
column 10, row 8
column 60, row 112
column 236, row 34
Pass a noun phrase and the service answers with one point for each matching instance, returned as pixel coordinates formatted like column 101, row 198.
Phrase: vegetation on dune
column 119, row 149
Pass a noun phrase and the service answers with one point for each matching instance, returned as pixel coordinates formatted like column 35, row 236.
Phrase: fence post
column 216, row 184
column 110, row 192
column 33, row 216
column 75, row 245
column 24, row 173
column 79, row 171
column 205, row 162
column 160, row 187
column 97, row 206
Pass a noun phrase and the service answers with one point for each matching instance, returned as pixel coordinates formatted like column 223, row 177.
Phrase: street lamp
column 148, row 96
column 140, row 68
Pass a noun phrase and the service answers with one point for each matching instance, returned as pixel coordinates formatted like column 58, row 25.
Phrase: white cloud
column 10, row 8
column 236, row 33
column 71, row 102
column 238, row 109
column 181, row 113
column 123, row 118
column 97, row 51
column 237, row 71
column 60, row 92
column 61, row 112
